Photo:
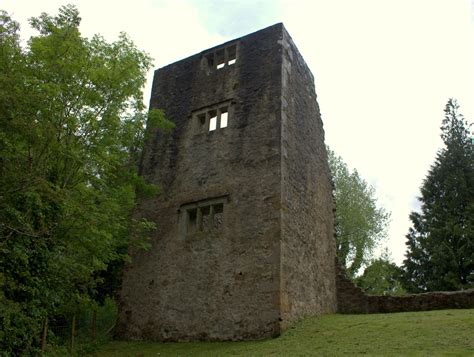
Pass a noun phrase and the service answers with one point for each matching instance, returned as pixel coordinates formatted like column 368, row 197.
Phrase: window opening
column 191, row 220
column 218, row 216
column 224, row 117
column 220, row 55
column 202, row 118
column 212, row 120
column 231, row 55
column 206, row 216
column 210, row 60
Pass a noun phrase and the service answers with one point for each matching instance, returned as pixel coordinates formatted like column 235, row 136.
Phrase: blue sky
column 383, row 69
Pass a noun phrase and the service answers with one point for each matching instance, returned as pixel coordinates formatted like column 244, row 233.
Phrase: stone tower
column 245, row 234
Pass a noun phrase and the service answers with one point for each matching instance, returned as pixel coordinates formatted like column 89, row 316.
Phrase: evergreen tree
column 440, row 246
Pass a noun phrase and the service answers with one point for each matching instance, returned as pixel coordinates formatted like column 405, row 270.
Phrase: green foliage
column 360, row 223
column 59, row 332
column 435, row 333
column 71, row 133
column 440, row 245
column 381, row 277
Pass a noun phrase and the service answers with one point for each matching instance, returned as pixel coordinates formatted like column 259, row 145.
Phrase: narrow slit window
column 192, row 220
column 206, row 218
column 212, row 121
column 218, row 216
column 231, row 55
column 202, row 118
column 210, row 60
column 220, row 59
column 224, row 118
column 218, row 208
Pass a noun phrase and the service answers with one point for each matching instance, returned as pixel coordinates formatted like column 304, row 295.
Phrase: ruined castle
column 245, row 243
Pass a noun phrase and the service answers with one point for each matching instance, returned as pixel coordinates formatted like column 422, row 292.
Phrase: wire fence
column 78, row 334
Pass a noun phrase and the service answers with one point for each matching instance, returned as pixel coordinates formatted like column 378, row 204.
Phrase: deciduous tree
column 71, row 129
column 381, row 277
column 360, row 222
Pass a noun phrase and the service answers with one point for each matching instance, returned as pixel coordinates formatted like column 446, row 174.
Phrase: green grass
column 433, row 333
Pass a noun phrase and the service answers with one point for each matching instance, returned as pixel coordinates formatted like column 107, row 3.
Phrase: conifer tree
column 440, row 245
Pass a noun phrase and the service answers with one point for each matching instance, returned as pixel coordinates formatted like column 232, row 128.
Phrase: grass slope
column 435, row 333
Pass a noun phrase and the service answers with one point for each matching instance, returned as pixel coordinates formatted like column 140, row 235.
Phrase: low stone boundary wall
column 352, row 300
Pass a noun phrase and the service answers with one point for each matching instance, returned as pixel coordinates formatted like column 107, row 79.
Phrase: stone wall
column 269, row 257
column 352, row 300
column 307, row 243
column 213, row 285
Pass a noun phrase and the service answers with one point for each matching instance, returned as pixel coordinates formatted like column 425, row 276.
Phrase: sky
column 384, row 70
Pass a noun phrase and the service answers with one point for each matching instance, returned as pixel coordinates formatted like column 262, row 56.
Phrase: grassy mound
column 445, row 332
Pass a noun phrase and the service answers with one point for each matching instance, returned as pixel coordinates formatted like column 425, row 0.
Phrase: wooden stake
column 45, row 334
column 73, row 332
column 94, row 323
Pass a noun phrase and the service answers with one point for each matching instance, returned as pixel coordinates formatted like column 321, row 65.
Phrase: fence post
column 73, row 332
column 94, row 324
column 45, row 334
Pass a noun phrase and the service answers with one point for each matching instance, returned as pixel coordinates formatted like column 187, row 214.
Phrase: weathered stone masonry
column 244, row 244
column 352, row 300
column 245, row 239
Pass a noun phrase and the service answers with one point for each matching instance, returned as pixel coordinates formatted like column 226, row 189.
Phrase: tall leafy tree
column 71, row 129
column 381, row 276
column 440, row 244
column 360, row 223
